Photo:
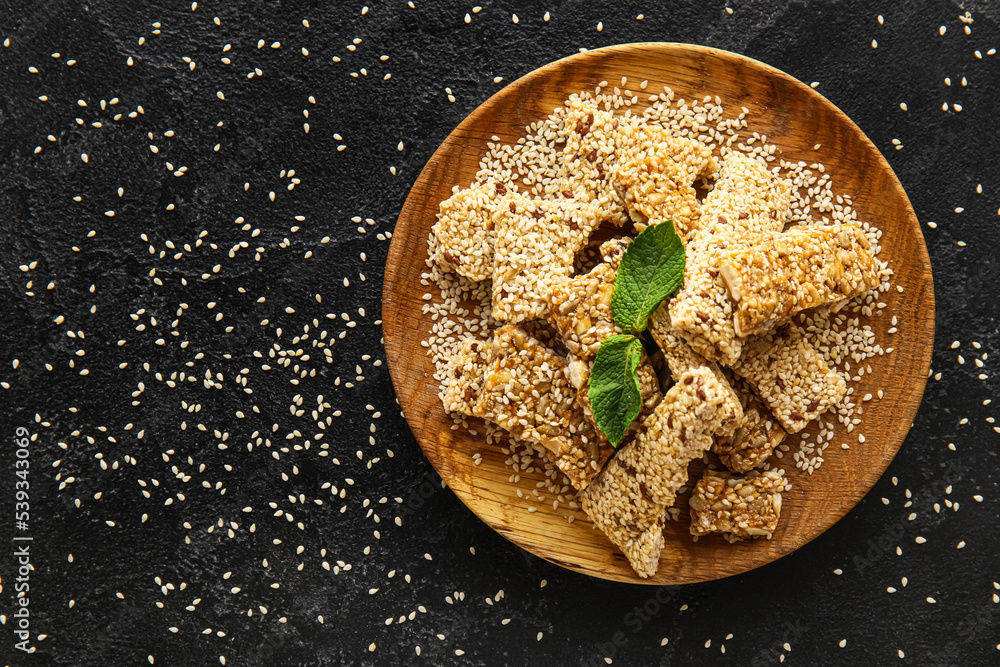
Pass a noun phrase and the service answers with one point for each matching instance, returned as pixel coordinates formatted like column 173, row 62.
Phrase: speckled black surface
column 798, row 600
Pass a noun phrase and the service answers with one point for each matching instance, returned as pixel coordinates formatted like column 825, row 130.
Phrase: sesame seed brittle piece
column 790, row 376
column 750, row 445
column 580, row 308
column 682, row 359
column 464, row 379
column 695, row 158
column 745, row 440
column 465, row 230
column 536, row 242
column 589, row 140
column 654, row 183
column 679, row 431
column 629, row 498
column 747, row 199
column 747, row 202
column 741, row 506
column 527, row 391
column 788, row 272
column 620, row 505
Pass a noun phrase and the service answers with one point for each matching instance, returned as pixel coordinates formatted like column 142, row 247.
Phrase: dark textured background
column 111, row 580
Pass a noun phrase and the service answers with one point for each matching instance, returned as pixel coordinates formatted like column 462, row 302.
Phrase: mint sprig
column 651, row 269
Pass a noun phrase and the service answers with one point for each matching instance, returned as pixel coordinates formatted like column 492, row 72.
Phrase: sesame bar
column 655, row 187
column 580, row 308
column 747, row 202
column 701, row 309
column 804, row 267
column 588, row 141
column 536, row 241
column 465, row 230
column 464, row 379
column 694, row 158
column 755, row 439
column 629, row 498
column 741, row 506
column 679, row 431
column 747, row 198
column 790, row 376
column 620, row 505
column 527, row 391
column 682, row 359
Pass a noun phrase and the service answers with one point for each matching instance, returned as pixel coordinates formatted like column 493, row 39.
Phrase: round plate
column 795, row 118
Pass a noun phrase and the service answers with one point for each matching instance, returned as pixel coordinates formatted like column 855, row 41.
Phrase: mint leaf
column 614, row 386
column 650, row 271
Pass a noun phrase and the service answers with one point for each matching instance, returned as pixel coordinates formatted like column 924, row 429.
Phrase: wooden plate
column 795, row 118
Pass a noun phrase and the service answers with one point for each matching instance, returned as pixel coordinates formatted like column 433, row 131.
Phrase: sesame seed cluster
column 657, row 183
column 536, row 242
column 580, row 309
column 468, row 368
column 527, row 391
column 743, row 507
column 748, row 201
column 791, row 376
column 467, row 249
column 681, row 359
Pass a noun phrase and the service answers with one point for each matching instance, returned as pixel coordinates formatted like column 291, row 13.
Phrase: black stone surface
column 105, row 606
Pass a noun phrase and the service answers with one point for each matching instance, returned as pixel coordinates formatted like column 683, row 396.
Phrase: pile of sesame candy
column 459, row 308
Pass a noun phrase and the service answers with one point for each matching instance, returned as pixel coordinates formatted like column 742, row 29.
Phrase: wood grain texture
column 795, row 118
